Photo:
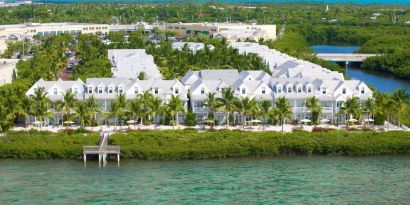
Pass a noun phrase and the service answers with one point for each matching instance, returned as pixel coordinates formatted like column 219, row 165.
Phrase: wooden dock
column 102, row 150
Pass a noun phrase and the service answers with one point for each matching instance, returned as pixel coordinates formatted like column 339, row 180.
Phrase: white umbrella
column 306, row 120
column 255, row 121
column 131, row 121
column 324, row 120
column 352, row 120
column 37, row 122
column 368, row 120
column 69, row 122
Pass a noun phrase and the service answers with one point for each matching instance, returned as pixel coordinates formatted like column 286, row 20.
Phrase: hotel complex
column 291, row 78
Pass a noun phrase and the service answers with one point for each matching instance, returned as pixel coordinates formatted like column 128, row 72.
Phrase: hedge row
column 188, row 144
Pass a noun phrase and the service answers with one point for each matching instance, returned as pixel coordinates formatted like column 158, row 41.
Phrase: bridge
column 345, row 57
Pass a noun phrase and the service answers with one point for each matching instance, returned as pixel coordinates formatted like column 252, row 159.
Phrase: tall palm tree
column 265, row 108
column 121, row 102
column 175, row 106
column 93, row 107
column 351, row 107
column 25, row 108
column 369, row 108
column 146, row 98
column 385, row 106
column 82, row 113
column 227, row 101
column 135, row 110
column 156, row 108
column 41, row 104
column 401, row 98
column 212, row 103
column 113, row 111
column 245, row 107
column 66, row 106
column 313, row 104
column 283, row 109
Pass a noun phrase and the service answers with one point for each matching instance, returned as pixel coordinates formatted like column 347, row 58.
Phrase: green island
column 191, row 144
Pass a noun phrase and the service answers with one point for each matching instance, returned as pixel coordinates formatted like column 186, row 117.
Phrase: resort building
column 230, row 31
column 45, row 29
column 7, row 70
column 129, row 63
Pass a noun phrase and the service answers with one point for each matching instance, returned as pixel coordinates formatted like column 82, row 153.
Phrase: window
column 55, row 91
column 176, row 91
column 110, row 89
column 323, row 90
column 263, row 90
column 299, row 89
column 309, row 89
column 202, row 91
column 279, row 89
column 120, row 89
column 156, row 90
column 136, row 90
column 362, row 90
column 289, row 89
column 90, row 90
column 243, row 91
column 100, row 89
column 76, row 91
column 344, row 91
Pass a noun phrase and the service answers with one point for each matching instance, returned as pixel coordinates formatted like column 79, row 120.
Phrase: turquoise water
column 235, row 1
column 381, row 81
column 284, row 180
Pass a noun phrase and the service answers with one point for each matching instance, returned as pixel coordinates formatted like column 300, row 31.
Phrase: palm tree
column 25, row 108
column 351, row 107
column 135, row 109
column 385, row 106
column 67, row 105
column 313, row 104
column 93, row 107
column 121, row 102
column 245, row 107
column 227, row 101
column 265, row 108
column 156, row 108
column 401, row 98
column 283, row 109
column 113, row 112
column 41, row 104
column 146, row 98
column 369, row 107
column 175, row 106
column 142, row 76
column 82, row 113
column 212, row 103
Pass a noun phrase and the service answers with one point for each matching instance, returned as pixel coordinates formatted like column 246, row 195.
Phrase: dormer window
column 90, row 90
column 279, row 89
column 55, row 91
column 309, row 89
column 243, row 91
column 76, row 91
column 202, row 91
column 299, row 89
column 136, row 90
column 100, row 89
column 263, row 90
column 323, row 90
column 120, row 89
column 110, row 89
column 156, row 91
column 344, row 91
column 176, row 91
column 362, row 90
column 289, row 89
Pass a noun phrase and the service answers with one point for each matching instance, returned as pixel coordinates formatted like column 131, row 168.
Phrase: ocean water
column 281, row 180
column 232, row 1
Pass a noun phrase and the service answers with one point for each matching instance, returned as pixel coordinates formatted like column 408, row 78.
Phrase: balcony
column 200, row 109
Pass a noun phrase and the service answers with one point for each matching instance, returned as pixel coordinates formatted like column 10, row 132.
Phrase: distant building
column 129, row 63
column 45, row 29
column 7, row 70
column 230, row 31
column 191, row 46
